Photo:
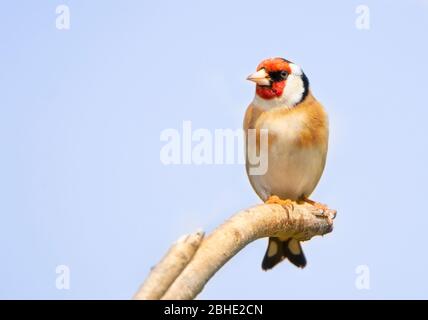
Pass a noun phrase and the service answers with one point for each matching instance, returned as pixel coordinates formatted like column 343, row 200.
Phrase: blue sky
column 81, row 112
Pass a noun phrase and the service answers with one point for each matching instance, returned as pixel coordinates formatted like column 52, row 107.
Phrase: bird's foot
column 323, row 209
column 282, row 202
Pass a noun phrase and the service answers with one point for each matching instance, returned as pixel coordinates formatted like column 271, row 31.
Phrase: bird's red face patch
column 274, row 64
column 277, row 87
column 273, row 91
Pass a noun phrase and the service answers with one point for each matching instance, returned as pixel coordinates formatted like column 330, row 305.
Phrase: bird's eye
column 278, row 76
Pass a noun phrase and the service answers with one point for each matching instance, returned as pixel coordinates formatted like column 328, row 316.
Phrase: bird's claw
column 322, row 208
column 277, row 200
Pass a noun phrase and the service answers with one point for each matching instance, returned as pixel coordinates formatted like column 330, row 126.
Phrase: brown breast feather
column 315, row 132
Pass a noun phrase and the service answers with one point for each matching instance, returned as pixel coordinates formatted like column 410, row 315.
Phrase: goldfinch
column 297, row 142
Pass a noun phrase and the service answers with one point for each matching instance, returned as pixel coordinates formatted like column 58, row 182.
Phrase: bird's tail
column 279, row 249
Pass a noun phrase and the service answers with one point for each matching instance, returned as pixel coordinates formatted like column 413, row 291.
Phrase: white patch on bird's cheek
column 293, row 91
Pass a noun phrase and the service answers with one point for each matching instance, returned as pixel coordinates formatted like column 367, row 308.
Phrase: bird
column 297, row 144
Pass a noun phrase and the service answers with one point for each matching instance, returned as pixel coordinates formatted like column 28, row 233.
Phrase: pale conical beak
column 260, row 77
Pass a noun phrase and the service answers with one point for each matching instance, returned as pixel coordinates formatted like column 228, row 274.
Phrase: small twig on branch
column 302, row 221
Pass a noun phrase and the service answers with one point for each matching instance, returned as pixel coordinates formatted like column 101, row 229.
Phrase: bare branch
column 301, row 221
column 169, row 268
